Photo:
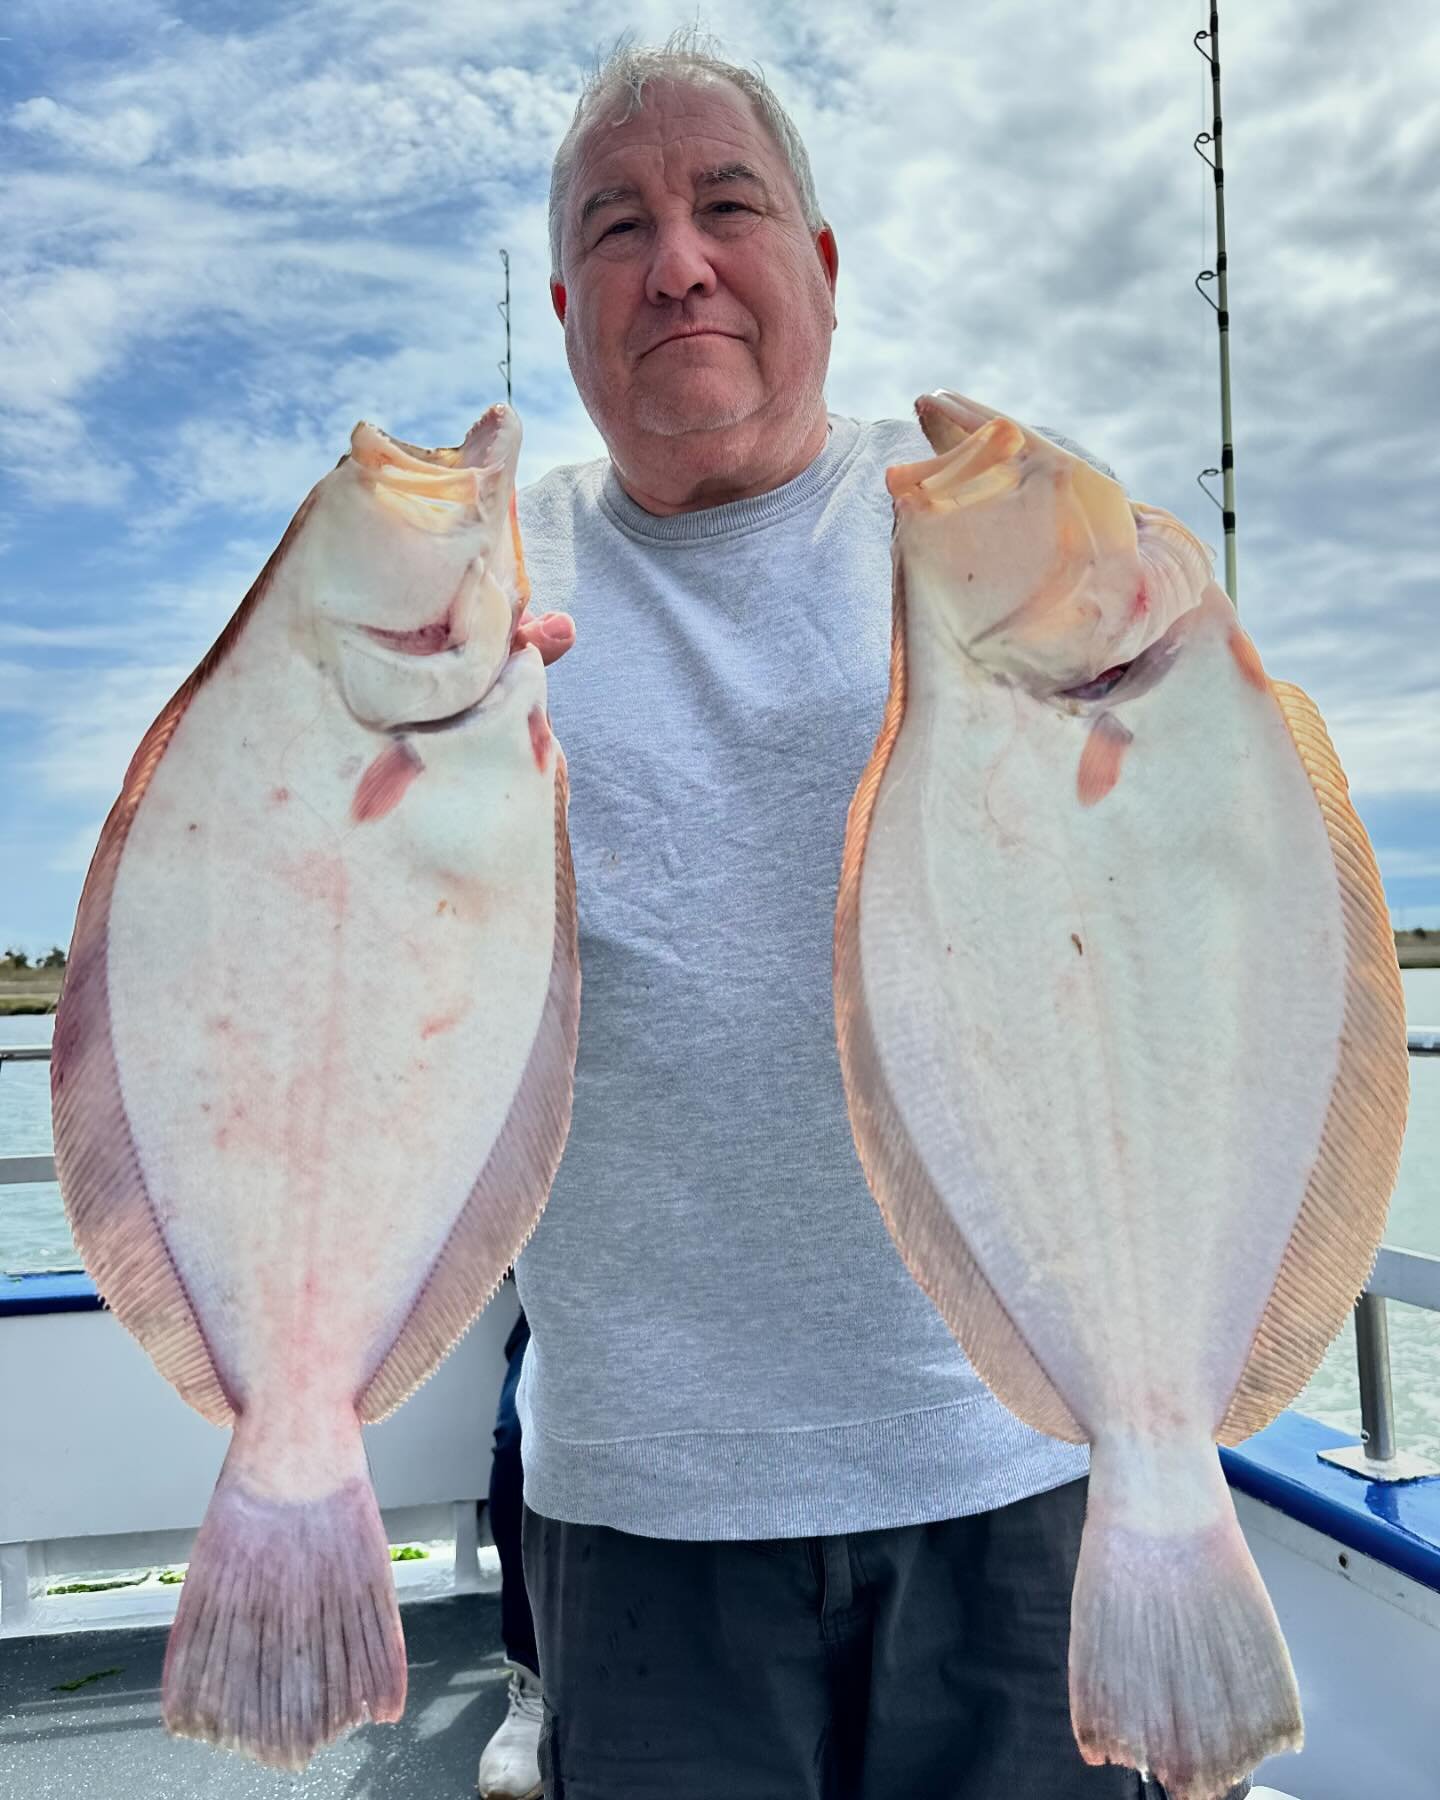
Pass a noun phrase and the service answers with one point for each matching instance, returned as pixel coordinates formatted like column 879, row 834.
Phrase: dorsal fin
column 111, row 1211
column 505, row 1204
column 1328, row 1259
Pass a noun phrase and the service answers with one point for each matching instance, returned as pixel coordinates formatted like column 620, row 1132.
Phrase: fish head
column 412, row 576
column 1043, row 573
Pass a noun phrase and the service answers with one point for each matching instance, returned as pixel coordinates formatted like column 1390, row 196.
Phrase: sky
column 229, row 231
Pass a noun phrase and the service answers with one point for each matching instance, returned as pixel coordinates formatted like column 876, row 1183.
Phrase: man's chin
column 695, row 414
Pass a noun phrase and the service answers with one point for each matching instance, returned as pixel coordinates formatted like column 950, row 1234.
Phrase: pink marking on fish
column 236, row 1131
column 1100, row 760
column 1247, row 660
column 279, row 795
column 382, row 786
column 1142, row 599
column 539, row 736
column 442, row 1022
column 318, row 876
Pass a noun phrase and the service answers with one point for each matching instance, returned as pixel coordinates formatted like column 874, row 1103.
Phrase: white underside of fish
column 1123, row 1044
column 314, row 1060
column 1140, row 1003
column 349, row 1009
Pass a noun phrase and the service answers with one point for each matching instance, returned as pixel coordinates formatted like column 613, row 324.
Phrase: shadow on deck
column 104, row 1741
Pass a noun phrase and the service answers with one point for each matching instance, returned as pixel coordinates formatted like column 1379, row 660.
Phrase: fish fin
column 919, row 1223
column 382, row 786
column 1342, row 1217
column 1177, row 1663
column 1105, row 745
column 112, row 1216
column 288, row 1632
column 107, row 1198
column 505, row 1204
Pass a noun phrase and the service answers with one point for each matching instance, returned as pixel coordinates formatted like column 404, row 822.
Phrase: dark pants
column 922, row 1663
column 517, row 1627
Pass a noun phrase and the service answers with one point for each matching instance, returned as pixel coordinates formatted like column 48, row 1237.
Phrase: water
column 33, row 1231
column 34, row 1235
column 1414, row 1224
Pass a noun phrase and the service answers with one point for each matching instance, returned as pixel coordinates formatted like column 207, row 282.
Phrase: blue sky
column 227, row 232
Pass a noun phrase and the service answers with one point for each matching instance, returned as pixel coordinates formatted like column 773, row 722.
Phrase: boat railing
column 1408, row 1277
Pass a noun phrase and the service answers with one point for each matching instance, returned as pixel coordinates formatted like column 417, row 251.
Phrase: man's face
column 697, row 306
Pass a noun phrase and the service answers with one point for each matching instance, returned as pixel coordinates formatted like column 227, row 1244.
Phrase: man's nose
column 680, row 264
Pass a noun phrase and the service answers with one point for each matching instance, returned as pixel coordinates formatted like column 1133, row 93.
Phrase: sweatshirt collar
column 735, row 515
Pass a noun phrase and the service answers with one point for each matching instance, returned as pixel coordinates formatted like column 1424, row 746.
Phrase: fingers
column 551, row 634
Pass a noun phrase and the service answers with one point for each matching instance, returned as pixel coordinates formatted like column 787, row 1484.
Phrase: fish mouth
column 426, row 640
column 948, row 418
column 1100, row 686
column 446, row 486
column 488, row 441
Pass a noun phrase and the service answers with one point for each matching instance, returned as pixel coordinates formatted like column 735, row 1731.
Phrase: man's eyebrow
column 610, row 196
column 728, row 172
column 720, row 176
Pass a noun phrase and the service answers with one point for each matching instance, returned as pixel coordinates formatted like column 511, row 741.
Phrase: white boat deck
column 103, row 1739
column 106, row 1470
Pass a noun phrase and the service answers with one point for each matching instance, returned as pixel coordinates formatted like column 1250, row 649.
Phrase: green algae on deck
column 69, row 1687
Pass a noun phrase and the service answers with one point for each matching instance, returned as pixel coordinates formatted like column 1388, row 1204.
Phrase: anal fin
column 505, row 1204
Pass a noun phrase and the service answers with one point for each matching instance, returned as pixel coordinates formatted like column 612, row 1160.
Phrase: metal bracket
column 1404, row 1465
column 1376, row 1456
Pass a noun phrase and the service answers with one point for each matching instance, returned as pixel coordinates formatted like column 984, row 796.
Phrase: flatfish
column 1123, row 1041
column 313, row 1065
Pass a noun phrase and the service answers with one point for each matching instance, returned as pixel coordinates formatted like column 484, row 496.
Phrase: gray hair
column 687, row 55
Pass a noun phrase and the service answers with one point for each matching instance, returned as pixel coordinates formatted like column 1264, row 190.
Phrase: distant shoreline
column 34, row 992
column 28, row 991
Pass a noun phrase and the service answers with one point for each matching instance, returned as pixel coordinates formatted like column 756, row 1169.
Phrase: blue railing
column 1305, row 1469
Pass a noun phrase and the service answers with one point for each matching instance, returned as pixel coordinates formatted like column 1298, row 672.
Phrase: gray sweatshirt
column 725, row 1342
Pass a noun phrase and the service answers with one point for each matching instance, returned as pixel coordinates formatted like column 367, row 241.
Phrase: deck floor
column 104, row 1741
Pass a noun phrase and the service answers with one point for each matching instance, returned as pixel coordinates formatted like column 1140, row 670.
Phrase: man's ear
column 829, row 253
column 557, row 299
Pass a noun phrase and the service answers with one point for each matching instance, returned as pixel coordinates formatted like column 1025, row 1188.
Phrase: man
column 781, row 1543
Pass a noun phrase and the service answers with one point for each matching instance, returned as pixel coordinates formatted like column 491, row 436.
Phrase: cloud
column 223, row 242
column 124, row 138
column 1410, row 864
column 18, row 688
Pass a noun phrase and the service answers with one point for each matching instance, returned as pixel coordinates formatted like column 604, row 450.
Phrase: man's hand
column 552, row 634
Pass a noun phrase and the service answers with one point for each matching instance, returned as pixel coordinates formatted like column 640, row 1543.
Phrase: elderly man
column 780, row 1541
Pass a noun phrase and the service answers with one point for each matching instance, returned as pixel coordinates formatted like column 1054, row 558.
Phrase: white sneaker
column 510, row 1766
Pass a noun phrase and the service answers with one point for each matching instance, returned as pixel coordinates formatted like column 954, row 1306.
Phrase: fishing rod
column 503, row 308
column 1227, row 449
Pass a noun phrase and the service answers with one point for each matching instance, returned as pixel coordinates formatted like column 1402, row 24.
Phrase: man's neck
column 676, row 490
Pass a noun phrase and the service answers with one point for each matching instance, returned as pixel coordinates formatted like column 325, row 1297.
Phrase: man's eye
column 619, row 225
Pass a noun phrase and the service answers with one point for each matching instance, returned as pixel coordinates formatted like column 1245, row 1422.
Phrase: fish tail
column 287, row 1632
column 1177, row 1663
